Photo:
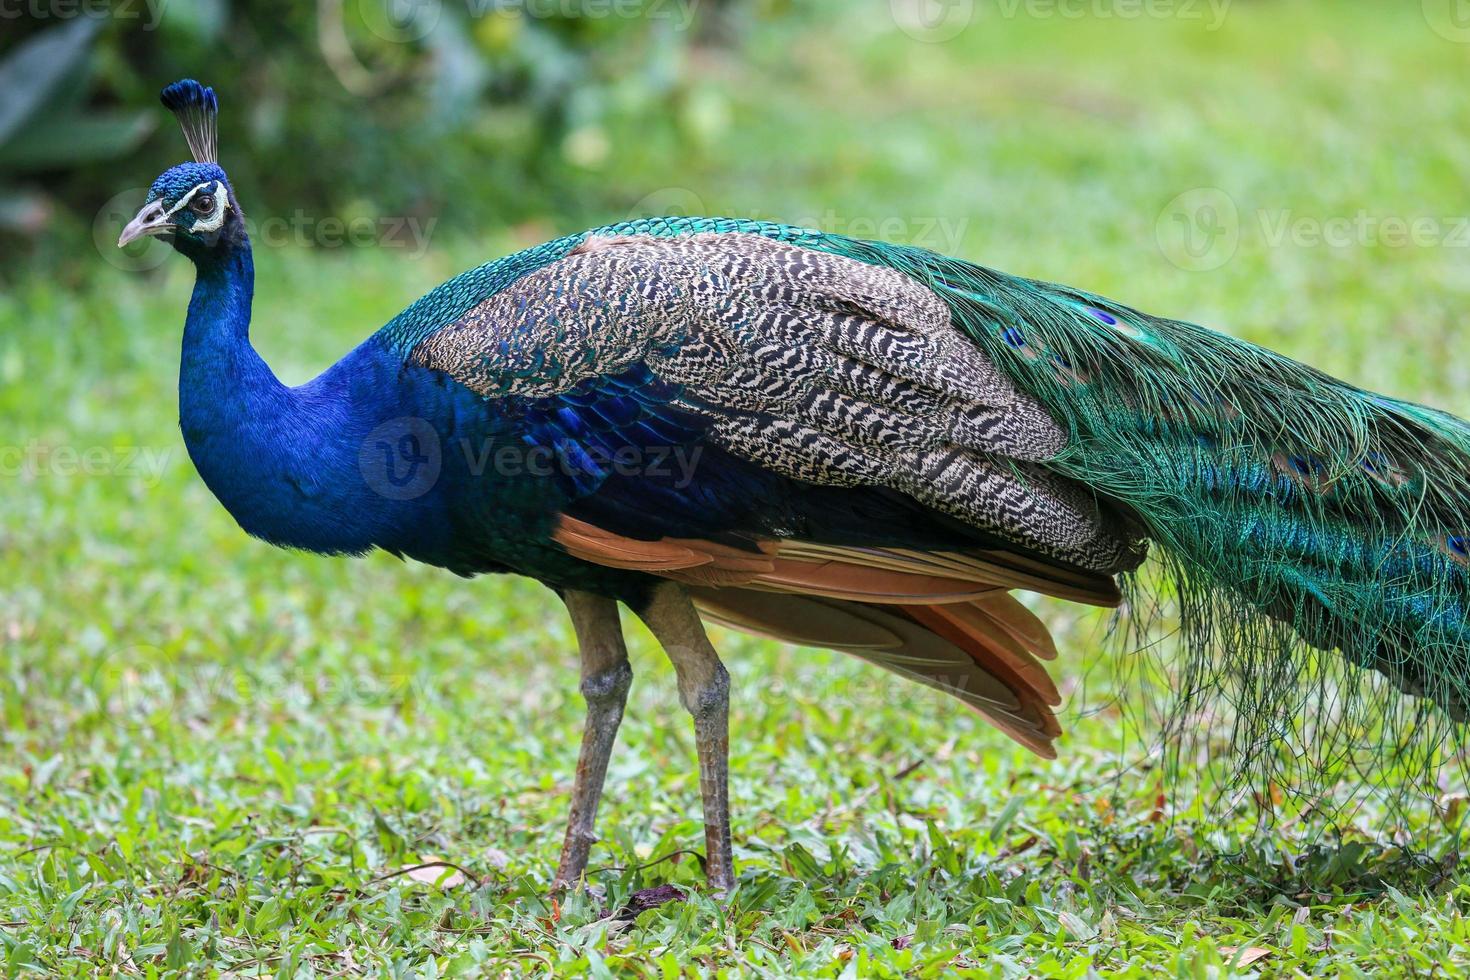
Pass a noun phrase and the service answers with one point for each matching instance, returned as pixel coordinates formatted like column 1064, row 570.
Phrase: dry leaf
column 1248, row 954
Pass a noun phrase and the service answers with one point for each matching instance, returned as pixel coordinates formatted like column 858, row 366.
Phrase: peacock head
column 191, row 205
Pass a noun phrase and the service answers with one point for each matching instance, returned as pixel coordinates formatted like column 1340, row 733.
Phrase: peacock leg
column 704, row 690
column 606, row 677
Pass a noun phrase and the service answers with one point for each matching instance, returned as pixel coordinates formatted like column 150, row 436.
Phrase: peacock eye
column 203, row 204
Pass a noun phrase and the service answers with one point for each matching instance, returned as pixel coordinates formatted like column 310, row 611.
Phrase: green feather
column 1296, row 512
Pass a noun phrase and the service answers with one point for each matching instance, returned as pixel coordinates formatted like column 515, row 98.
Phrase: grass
column 215, row 757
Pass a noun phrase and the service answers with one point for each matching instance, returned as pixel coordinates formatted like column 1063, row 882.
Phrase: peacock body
column 841, row 443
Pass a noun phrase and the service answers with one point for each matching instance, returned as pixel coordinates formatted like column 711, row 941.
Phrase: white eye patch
column 216, row 220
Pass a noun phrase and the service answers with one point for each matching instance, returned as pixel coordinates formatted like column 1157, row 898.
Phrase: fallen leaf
column 1246, row 954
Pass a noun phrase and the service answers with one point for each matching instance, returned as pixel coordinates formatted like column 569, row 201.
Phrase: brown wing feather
column 947, row 660
column 943, row 619
column 970, row 628
column 1006, row 612
column 881, row 575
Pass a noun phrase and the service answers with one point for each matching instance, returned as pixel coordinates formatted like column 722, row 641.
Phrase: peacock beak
column 152, row 220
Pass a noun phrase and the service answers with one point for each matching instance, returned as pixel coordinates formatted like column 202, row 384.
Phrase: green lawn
column 214, row 755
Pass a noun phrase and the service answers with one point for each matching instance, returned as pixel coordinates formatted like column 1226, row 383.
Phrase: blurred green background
column 211, row 752
column 478, row 113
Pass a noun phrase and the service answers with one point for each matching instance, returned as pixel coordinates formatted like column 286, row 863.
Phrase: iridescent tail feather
column 1296, row 513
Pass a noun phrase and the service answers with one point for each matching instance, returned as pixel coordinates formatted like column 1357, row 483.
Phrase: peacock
column 845, row 444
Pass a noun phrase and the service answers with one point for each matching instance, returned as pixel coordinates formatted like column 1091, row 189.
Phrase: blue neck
column 282, row 460
column 219, row 369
